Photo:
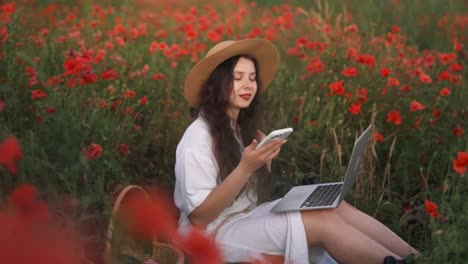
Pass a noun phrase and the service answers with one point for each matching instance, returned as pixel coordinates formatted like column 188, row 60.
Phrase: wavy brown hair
column 213, row 108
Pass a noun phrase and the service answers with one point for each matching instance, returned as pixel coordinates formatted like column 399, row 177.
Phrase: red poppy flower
column 129, row 94
column 88, row 77
column 123, row 149
column 395, row 117
column 379, row 137
column 50, row 110
column 23, row 196
column 337, row 88
column 416, row 106
column 351, row 28
column 157, row 76
column 445, row 75
column 385, row 72
column 461, row 162
column 315, row 65
column 456, row 67
column 393, row 82
column 350, row 72
column 109, row 74
column 425, row 78
column 150, row 216
column 144, row 100
column 395, row 29
column 93, row 151
column 37, row 94
column 10, row 153
column 351, row 53
column 431, row 208
column 200, row 248
column 458, row 131
column 365, row 59
column 445, row 92
column 355, row 108
column 2, row 105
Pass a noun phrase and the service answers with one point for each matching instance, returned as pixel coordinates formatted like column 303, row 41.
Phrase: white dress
column 250, row 232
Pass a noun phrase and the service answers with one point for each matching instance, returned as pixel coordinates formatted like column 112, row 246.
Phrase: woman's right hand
column 252, row 159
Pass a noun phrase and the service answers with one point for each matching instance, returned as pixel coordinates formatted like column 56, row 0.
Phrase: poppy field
column 91, row 100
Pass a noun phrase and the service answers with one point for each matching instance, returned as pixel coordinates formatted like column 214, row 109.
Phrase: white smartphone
column 276, row 134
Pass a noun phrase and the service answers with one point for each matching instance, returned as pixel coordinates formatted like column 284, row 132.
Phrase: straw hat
column 263, row 50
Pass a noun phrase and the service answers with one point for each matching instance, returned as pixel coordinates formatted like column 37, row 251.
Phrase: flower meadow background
column 91, row 100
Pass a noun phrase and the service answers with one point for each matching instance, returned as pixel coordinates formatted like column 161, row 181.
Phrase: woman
column 221, row 176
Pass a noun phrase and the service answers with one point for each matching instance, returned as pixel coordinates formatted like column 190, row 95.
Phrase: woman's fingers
column 270, row 150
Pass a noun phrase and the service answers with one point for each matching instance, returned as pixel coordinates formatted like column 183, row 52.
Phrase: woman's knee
column 320, row 225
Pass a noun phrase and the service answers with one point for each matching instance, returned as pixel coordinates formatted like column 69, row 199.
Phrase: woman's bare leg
column 375, row 230
column 344, row 242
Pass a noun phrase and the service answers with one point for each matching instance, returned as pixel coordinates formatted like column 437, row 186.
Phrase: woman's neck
column 233, row 114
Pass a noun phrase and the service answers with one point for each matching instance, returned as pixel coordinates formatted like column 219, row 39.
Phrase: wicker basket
column 161, row 253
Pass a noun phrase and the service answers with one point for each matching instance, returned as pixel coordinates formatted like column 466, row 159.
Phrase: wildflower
column 337, row 88
column 93, row 151
column 365, row 59
column 129, row 94
column 123, row 149
column 355, row 108
column 461, row 162
column 395, row 117
column 445, row 75
column 315, row 65
column 425, row 78
column 2, row 105
column 445, row 92
column 431, row 208
column 385, row 72
column 351, row 28
column 379, row 137
column 109, row 74
column 157, row 76
column 10, row 153
column 37, row 94
column 144, row 100
column 458, row 131
column 349, row 72
column 351, row 53
column 200, row 248
column 393, row 82
column 416, row 106
column 456, row 67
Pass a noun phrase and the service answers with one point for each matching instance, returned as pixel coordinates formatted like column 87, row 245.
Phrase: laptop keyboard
column 323, row 195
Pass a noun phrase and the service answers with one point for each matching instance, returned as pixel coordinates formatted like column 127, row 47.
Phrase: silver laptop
column 325, row 195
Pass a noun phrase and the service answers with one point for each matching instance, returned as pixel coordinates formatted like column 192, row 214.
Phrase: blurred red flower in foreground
column 461, row 162
column 431, row 208
column 200, row 248
column 154, row 216
column 10, row 153
column 26, row 237
column 93, row 152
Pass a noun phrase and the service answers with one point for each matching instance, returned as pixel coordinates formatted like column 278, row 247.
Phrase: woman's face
column 244, row 84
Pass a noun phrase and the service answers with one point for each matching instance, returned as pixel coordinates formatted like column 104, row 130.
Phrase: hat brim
column 263, row 51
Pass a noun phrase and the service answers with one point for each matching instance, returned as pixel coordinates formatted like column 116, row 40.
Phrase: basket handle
column 115, row 208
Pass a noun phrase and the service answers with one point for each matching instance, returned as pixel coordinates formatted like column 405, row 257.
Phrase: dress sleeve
column 197, row 172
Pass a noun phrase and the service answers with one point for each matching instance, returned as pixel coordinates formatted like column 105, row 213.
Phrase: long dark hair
column 213, row 108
